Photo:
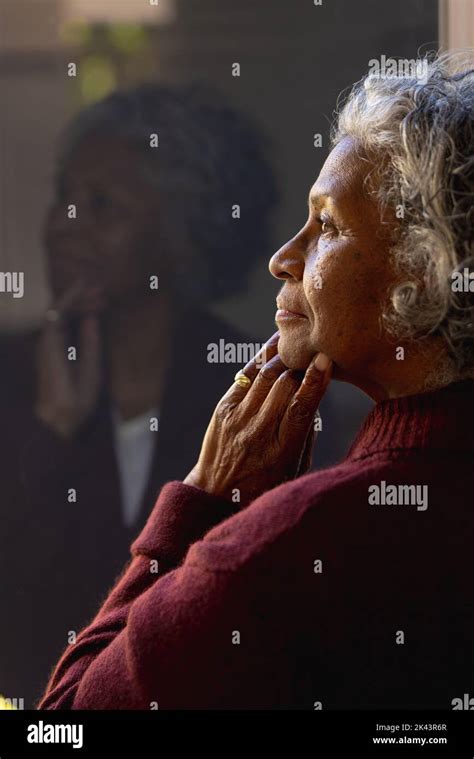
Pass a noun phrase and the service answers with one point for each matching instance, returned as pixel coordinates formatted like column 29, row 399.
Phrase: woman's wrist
column 196, row 480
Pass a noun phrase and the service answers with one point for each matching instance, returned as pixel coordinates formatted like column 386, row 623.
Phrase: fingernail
column 322, row 362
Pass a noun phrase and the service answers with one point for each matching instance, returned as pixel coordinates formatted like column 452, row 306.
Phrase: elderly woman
column 252, row 587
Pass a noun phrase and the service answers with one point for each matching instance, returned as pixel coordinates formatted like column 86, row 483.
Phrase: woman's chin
column 295, row 356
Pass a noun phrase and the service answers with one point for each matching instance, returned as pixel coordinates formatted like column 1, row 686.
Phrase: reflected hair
column 210, row 157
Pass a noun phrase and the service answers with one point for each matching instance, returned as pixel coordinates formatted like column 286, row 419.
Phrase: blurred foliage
column 107, row 56
column 96, row 78
column 128, row 38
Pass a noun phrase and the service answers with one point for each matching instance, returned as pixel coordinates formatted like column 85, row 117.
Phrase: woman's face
column 111, row 248
column 337, row 275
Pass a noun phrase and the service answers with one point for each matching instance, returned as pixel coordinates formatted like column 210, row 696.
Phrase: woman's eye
column 326, row 226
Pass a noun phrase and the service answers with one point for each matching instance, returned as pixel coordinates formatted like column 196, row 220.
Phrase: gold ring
column 242, row 380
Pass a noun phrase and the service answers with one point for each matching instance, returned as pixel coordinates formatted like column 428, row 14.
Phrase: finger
column 264, row 382
column 301, row 410
column 52, row 342
column 89, row 370
column 236, row 393
column 54, row 377
column 52, row 347
column 65, row 302
column 257, row 391
column 54, row 316
column 262, row 357
column 280, row 395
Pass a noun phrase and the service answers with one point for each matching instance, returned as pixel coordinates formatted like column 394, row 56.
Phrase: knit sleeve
column 194, row 637
column 181, row 515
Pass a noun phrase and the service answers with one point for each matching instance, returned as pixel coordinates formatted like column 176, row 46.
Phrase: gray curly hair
column 421, row 135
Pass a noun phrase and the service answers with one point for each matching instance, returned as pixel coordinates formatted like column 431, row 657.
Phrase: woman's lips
column 284, row 314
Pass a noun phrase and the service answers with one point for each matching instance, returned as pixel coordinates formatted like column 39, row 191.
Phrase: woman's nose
column 289, row 261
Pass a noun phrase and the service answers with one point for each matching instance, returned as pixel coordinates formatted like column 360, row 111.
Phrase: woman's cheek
column 327, row 283
column 334, row 289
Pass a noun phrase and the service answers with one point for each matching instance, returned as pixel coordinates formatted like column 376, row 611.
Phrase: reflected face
column 110, row 248
column 337, row 274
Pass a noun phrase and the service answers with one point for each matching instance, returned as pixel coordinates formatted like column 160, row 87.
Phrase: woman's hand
column 67, row 391
column 261, row 435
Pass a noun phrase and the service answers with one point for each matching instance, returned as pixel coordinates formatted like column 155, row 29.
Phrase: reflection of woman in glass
column 97, row 436
column 324, row 591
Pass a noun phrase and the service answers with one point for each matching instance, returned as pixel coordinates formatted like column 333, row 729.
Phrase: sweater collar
column 440, row 420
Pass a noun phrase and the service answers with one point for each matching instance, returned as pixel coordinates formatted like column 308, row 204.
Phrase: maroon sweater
column 312, row 596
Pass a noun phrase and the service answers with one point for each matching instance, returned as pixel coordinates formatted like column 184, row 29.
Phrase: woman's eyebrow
column 315, row 198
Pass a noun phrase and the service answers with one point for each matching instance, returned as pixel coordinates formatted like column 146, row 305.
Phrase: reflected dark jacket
column 58, row 559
